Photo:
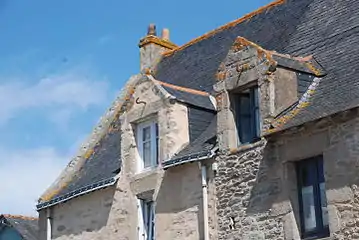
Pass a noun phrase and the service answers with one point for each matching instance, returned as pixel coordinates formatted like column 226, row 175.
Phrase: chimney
column 151, row 47
column 165, row 34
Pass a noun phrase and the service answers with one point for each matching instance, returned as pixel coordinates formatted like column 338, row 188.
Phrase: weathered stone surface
column 256, row 188
column 111, row 213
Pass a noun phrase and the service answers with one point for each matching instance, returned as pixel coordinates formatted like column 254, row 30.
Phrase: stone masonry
column 111, row 213
column 256, row 186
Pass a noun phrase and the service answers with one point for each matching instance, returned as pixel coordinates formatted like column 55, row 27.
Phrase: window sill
column 325, row 238
column 146, row 172
column 247, row 146
column 145, row 182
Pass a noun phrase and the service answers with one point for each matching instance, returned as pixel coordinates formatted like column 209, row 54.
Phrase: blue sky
column 61, row 65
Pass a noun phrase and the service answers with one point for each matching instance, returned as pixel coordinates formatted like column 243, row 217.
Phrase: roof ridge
column 22, row 217
column 226, row 26
column 183, row 89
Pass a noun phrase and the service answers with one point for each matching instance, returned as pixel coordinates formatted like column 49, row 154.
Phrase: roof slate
column 326, row 29
column 198, row 121
column 205, row 142
column 190, row 98
column 103, row 164
column 26, row 226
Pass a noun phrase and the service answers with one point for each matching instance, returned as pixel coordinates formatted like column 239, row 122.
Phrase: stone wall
column 179, row 214
column 103, row 214
column 111, row 213
column 256, row 186
column 246, row 188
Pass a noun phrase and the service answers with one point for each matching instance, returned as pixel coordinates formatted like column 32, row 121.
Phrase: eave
column 78, row 192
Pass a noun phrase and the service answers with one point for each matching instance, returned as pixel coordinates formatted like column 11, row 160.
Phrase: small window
column 146, row 220
column 312, row 199
column 246, row 107
column 147, row 142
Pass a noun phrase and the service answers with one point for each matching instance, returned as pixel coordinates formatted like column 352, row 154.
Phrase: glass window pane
column 157, row 145
column 320, row 170
column 244, row 106
column 323, row 200
column 146, row 154
column 308, row 173
column 308, row 208
column 156, row 126
column 244, row 118
column 151, row 221
column 245, row 133
column 146, row 134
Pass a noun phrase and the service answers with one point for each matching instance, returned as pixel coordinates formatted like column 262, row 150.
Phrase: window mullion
column 252, row 112
column 300, row 186
column 317, row 198
column 150, row 221
column 140, row 143
column 153, row 144
column 256, row 112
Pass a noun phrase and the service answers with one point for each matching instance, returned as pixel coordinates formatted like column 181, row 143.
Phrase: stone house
column 247, row 132
column 17, row 227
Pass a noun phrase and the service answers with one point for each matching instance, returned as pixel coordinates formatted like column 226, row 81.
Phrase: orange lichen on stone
column 19, row 217
column 314, row 70
column 226, row 26
column 220, row 76
column 88, row 153
column 54, row 192
column 303, row 103
column 183, row 89
column 304, row 59
column 219, row 99
column 261, row 52
column 156, row 40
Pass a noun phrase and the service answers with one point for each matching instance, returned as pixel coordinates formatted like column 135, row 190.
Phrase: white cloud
column 62, row 117
column 25, row 175
column 68, row 91
column 105, row 39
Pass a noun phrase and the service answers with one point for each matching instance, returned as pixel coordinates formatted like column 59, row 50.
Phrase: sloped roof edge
column 84, row 190
column 19, row 217
column 161, row 85
column 194, row 157
column 86, row 150
column 226, row 26
column 279, row 123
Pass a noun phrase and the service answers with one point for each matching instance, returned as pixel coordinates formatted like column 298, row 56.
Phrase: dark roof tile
column 326, row 29
column 102, row 164
column 27, row 227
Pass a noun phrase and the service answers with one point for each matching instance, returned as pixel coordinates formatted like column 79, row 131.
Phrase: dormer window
column 147, row 143
column 247, row 117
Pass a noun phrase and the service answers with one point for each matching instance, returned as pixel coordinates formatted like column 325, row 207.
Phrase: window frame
column 146, row 219
column 154, row 142
column 254, row 114
column 317, row 166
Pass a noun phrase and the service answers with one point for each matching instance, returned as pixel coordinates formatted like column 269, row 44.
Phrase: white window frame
column 146, row 229
column 154, row 158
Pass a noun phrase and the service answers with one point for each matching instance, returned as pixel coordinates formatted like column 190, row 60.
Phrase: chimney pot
column 166, row 34
column 152, row 30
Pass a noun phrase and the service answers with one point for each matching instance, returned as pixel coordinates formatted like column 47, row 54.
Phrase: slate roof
column 190, row 98
column 98, row 170
column 200, row 147
column 102, row 164
column 27, row 227
column 327, row 29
